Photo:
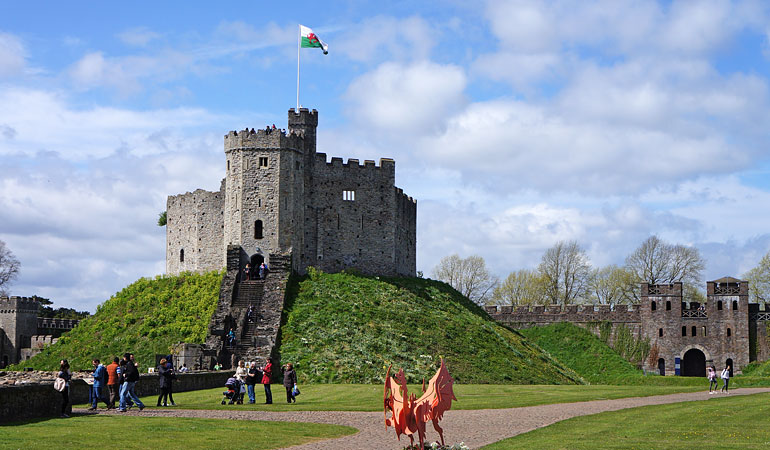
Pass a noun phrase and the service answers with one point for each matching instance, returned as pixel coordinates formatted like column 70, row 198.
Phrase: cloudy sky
column 515, row 124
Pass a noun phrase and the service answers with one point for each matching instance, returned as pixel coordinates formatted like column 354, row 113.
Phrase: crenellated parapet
column 263, row 139
column 386, row 164
column 543, row 315
column 13, row 305
column 48, row 323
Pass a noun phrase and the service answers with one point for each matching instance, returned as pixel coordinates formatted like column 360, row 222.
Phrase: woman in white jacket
column 725, row 379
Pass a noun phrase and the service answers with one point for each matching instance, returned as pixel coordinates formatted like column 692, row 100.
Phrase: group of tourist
column 255, row 273
column 711, row 374
column 253, row 375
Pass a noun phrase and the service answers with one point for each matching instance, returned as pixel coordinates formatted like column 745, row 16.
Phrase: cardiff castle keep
column 280, row 196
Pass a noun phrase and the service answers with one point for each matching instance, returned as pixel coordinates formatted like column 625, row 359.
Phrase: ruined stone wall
column 356, row 213
column 194, row 229
column 406, row 234
column 18, row 320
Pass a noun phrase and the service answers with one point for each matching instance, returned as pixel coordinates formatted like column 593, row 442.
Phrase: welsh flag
column 311, row 40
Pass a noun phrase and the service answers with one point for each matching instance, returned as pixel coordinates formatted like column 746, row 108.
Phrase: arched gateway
column 694, row 363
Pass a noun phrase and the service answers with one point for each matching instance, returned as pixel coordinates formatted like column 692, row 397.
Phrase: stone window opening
column 729, row 332
column 257, row 229
column 653, row 306
column 684, row 331
column 338, row 221
column 660, row 332
column 735, row 305
column 719, row 305
column 262, row 161
column 694, row 329
column 181, row 255
column 703, row 331
column 668, row 305
column 349, row 196
column 362, row 221
column 228, row 165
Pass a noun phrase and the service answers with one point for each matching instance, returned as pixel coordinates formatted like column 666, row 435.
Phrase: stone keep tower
column 280, row 196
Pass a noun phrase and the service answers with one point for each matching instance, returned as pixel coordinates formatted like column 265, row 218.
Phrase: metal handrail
column 694, row 314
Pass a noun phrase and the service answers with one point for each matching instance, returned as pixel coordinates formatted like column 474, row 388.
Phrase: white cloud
column 398, row 98
column 13, row 56
column 138, row 37
column 390, row 38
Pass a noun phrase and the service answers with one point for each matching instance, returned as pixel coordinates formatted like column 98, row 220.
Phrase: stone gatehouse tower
column 279, row 196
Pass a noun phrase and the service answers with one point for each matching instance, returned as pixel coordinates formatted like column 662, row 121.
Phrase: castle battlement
column 263, row 139
column 404, row 197
column 57, row 324
column 569, row 313
column 385, row 163
column 19, row 305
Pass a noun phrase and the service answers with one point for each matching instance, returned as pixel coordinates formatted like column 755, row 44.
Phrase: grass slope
column 145, row 318
column 345, row 328
column 583, row 352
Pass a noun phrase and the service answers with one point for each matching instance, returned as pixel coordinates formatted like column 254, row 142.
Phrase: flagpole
column 299, row 42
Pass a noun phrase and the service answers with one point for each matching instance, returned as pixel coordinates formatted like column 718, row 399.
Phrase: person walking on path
column 251, row 380
column 289, row 381
column 725, row 379
column 113, row 386
column 100, row 380
column 66, row 375
column 127, row 389
column 171, row 378
column 164, row 381
column 267, row 372
column 711, row 372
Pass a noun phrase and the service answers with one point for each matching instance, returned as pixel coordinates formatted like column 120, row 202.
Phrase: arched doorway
column 694, row 363
column 662, row 366
column 729, row 362
column 256, row 259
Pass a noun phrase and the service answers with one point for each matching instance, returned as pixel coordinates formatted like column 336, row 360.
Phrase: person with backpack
column 100, row 381
column 725, row 379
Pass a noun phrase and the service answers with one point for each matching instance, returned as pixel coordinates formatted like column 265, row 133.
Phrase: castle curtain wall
column 194, row 225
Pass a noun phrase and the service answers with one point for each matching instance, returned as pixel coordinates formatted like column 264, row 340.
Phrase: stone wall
column 194, row 227
column 18, row 320
column 39, row 399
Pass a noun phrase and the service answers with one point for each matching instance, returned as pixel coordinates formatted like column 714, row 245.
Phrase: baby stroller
column 233, row 392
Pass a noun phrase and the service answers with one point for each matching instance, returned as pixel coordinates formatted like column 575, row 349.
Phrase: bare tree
column 566, row 271
column 469, row 276
column 9, row 268
column 759, row 280
column 523, row 287
column 658, row 262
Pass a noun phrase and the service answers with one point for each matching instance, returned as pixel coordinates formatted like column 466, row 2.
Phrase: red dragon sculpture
column 409, row 414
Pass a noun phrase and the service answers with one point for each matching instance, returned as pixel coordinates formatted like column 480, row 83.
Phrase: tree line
column 565, row 276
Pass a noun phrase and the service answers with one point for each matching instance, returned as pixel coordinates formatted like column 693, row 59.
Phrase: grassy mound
column 345, row 328
column 145, row 318
column 583, row 352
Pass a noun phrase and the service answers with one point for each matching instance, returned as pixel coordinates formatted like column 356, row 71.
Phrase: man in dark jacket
column 289, row 381
column 127, row 389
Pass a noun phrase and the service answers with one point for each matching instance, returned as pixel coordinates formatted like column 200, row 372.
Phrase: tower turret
column 304, row 123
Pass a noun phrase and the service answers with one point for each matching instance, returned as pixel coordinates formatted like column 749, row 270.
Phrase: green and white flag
column 311, row 40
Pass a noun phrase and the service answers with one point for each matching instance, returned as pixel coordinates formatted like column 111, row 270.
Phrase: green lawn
column 129, row 432
column 367, row 397
column 722, row 422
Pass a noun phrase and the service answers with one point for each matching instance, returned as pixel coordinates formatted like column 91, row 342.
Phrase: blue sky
column 515, row 124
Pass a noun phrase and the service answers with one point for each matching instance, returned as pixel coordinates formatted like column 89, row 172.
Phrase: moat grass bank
column 721, row 422
column 147, row 317
column 347, row 328
column 100, row 431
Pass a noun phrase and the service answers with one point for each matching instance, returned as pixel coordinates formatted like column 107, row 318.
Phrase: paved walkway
column 475, row 427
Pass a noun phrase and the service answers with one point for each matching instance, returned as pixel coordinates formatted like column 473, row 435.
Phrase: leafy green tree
column 759, row 280
column 523, row 287
column 162, row 218
column 609, row 285
column 469, row 276
column 566, row 271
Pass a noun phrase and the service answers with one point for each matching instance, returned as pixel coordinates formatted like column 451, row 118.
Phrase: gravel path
column 476, row 428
